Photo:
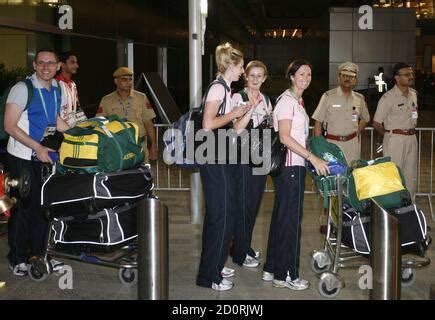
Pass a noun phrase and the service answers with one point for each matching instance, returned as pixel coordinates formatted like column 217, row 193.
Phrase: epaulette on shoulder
column 359, row 95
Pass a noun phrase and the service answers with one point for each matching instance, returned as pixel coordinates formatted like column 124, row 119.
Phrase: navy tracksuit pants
column 27, row 226
column 251, row 189
column 219, row 183
column 283, row 247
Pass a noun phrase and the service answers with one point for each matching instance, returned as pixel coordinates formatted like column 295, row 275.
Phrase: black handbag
column 278, row 152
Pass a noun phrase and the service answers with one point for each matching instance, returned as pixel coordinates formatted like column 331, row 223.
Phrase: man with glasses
column 395, row 119
column 341, row 116
column 28, row 124
column 133, row 106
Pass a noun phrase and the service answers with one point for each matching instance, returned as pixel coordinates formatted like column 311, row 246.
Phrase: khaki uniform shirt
column 136, row 108
column 340, row 114
column 397, row 111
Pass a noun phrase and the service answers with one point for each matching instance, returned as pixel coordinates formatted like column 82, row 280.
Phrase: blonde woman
column 251, row 187
column 219, row 180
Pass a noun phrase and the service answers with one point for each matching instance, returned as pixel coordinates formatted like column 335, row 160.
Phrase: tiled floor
column 96, row 282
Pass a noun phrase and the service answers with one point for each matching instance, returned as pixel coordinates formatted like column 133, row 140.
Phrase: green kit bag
column 101, row 145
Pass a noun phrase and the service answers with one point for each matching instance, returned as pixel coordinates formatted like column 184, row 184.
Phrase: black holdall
column 278, row 152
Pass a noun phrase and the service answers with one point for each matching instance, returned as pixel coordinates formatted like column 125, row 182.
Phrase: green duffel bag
column 101, row 145
column 379, row 179
column 330, row 152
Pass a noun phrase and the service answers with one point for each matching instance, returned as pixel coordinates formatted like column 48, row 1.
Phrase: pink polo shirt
column 289, row 108
column 217, row 93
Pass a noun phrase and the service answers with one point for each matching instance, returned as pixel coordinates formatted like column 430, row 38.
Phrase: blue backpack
column 188, row 124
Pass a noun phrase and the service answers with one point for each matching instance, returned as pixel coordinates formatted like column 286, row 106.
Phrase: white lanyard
column 304, row 112
column 45, row 107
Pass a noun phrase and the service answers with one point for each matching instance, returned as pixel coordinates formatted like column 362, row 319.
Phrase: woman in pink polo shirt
column 292, row 122
column 219, row 180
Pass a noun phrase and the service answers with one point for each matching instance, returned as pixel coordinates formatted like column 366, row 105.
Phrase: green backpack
column 3, row 134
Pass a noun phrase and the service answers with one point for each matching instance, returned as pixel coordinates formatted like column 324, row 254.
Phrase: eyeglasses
column 409, row 74
column 50, row 64
column 347, row 76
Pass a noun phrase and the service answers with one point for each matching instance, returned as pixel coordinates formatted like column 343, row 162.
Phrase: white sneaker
column 251, row 262
column 56, row 265
column 267, row 276
column 297, row 284
column 19, row 270
column 223, row 286
column 257, row 255
column 228, row 272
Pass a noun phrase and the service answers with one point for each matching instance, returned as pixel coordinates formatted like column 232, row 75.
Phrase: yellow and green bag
column 379, row 179
column 102, row 144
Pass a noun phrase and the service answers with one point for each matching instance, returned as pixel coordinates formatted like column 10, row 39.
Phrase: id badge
column 49, row 131
column 354, row 117
column 414, row 113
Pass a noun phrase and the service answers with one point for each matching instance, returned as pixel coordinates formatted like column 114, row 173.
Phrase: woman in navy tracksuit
column 291, row 121
column 219, row 180
column 251, row 185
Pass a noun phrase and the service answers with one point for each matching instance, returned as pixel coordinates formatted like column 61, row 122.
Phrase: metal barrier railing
column 172, row 178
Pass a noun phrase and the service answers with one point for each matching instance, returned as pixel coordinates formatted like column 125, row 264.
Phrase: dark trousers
column 27, row 226
column 283, row 247
column 219, row 184
column 251, row 189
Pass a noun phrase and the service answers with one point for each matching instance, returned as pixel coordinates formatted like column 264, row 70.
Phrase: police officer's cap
column 122, row 71
column 348, row 68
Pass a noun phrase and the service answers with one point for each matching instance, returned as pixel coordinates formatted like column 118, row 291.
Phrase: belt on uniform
column 408, row 132
column 341, row 138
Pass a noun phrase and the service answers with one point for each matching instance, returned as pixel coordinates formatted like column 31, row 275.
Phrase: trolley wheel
column 127, row 276
column 329, row 286
column 408, row 276
column 320, row 261
column 36, row 274
column 24, row 182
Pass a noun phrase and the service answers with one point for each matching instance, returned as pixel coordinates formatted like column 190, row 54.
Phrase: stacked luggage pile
column 94, row 198
column 92, row 193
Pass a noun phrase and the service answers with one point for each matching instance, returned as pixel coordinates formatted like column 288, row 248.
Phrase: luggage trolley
column 99, row 199
column 334, row 255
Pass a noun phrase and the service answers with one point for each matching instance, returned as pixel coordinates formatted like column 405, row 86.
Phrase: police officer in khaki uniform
column 396, row 119
column 342, row 114
column 132, row 105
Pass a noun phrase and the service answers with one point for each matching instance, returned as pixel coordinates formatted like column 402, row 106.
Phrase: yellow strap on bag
column 377, row 180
